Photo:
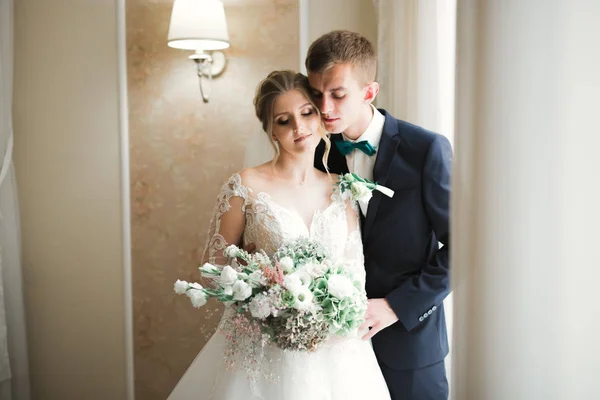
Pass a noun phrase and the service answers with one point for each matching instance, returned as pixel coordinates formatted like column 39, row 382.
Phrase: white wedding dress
column 343, row 368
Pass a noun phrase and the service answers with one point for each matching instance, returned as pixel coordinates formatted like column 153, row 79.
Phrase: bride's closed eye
column 308, row 112
column 305, row 113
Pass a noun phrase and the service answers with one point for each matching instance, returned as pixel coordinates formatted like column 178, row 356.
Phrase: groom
column 407, row 270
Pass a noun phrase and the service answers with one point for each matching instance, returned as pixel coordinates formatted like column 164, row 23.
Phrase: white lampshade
column 198, row 25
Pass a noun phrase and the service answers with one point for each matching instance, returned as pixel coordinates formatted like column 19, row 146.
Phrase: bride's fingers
column 250, row 247
column 374, row 330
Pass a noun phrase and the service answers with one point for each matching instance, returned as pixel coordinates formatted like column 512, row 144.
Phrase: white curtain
column 415, row 47
column 416, row 42
column 14, row 375
column 525, row 201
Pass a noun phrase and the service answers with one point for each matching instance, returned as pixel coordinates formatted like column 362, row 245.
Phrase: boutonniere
column 361, row 189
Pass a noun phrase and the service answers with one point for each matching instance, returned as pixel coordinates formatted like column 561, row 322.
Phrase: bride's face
column 296, row 123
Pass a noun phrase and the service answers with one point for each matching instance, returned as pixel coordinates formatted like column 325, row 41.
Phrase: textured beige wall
column 182, row 150
column 355, row 15
column 66, row 117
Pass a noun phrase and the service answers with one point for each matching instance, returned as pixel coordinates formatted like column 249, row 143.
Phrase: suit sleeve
column 420, row 296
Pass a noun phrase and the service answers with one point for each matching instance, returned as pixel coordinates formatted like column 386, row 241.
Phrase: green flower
column 288, row 299
column 349, row 177
column 344, row 304
column 321, row 284
column 328, row 308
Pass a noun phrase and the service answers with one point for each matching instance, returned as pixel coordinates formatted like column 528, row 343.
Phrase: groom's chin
column 333, row 127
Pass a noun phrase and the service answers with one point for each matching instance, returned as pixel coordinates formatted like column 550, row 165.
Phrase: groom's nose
column 325, row 105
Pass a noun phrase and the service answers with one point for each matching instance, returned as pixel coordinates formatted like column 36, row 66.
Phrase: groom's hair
column 343, row 47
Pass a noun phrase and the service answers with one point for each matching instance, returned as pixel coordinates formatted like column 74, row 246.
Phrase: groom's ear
column 371, row 92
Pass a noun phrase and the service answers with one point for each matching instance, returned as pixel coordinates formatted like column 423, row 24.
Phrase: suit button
column 429, row 312
column 421, row 319
column 434, row 308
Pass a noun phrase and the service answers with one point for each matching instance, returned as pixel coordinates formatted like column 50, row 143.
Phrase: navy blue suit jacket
column 403, row 260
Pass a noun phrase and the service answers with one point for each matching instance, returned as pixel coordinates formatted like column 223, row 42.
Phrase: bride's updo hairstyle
column 276, row 84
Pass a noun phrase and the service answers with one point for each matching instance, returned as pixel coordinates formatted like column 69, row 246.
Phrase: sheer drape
column 14, row 375
column 416, row 55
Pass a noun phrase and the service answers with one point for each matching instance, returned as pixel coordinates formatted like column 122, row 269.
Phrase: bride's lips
column 301, row 138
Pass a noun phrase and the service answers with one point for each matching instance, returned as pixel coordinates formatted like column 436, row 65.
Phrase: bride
column 265, row 206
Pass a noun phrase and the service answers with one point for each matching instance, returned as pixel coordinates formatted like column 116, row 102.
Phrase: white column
column 526, row 201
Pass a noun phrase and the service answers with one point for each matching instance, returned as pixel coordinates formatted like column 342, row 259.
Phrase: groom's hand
column 379, row 316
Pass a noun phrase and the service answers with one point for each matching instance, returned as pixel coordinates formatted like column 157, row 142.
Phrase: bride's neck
column 298, row 170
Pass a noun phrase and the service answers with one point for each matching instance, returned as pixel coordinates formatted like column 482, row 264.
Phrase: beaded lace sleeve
column 227, row 223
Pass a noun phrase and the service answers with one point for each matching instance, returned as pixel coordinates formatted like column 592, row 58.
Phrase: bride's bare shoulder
column 256, row 176
column 328, row 177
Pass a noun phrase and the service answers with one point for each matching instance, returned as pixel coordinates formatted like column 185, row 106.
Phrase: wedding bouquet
column 296, row 299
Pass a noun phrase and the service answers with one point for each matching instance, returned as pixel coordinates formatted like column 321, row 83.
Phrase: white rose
column 257, row 279
column 228, row 290
column 228, row 276
column 194, row 285
column 287, row 264
column 304, row 276
column 198, row 298
column 209, row 269
column 315, row 270
column 360, row 191
column 304, row 299
column 180, row 287
column 241, row 291
column 292, row 283
column 340, row 286
column 231, row 251
column 260, row 307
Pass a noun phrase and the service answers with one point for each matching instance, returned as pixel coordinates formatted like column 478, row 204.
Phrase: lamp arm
column 204, row 71
column 204, row 75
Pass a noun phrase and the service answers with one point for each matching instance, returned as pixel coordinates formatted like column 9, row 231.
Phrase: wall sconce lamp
column 200, row 25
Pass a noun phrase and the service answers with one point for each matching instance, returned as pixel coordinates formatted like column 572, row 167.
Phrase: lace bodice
column 243, row 216
column 267, row 225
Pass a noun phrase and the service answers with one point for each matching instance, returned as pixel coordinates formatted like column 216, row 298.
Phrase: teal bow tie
column 347, row 147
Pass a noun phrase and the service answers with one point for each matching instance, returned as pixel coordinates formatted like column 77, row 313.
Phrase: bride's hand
column 379, row 316
column 250, row 248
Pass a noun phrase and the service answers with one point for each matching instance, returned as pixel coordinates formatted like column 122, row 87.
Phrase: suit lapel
column 385, row 155
column 337, row 161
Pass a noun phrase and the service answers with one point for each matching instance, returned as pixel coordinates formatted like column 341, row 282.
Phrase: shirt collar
column 373, row 132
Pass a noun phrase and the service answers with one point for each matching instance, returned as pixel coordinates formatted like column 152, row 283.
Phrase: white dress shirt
column 360, row 163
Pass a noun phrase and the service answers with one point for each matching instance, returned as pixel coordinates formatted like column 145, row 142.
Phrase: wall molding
column 125, row 194
column 303, row 33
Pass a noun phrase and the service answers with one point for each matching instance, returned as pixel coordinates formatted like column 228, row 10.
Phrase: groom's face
column 340, row 97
